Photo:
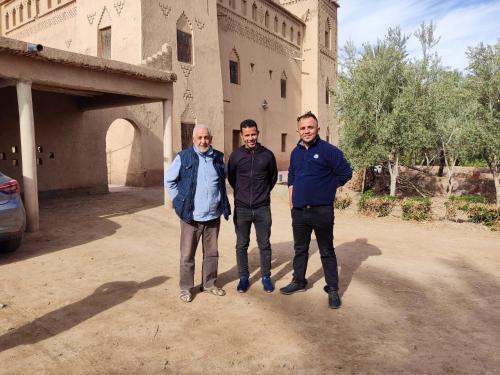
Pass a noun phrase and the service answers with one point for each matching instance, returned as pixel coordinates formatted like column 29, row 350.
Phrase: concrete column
column 28, row 155
column 167, row 143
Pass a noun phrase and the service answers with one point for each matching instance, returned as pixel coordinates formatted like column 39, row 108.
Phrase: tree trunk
column 394, row 172
column 497, row 184
column 441, row 164
column 364, row 181
column 450, row 170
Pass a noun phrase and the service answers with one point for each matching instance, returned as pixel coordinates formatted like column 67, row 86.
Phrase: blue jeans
column 261, row 219
column 304, row 221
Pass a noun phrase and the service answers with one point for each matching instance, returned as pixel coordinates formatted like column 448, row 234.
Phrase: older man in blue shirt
column 196, row 184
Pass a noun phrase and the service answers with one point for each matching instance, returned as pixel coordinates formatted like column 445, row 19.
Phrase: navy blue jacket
column 252, row 174
column 184, row 201
column 316, row 173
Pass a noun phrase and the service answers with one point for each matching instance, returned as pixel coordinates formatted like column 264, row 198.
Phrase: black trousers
column 261, row 219
column 304, row 221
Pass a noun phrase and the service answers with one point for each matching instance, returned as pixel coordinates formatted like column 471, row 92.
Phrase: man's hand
column 290, row 190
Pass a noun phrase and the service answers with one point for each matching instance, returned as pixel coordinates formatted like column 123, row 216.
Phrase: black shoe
column 267, row 284
column 334, row 301
column 243, row 285
column 293, row 287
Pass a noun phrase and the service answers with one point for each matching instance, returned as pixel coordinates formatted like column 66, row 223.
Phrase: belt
column 308, row 206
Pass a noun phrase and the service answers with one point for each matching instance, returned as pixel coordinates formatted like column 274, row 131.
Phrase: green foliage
column 487, row 214
column 461, row 203
column 418, row 209
column 372, row 205
column 342, row 201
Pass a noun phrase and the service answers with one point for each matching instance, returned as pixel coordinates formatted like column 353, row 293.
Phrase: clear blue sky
column 460, row 23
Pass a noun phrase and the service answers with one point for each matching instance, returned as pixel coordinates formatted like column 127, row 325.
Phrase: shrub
column 376, row 205
column 487, row 214
column 461, row 203
column 342, row 201
column 418, row 209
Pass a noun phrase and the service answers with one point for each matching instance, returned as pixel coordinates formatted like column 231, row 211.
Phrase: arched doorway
column 124, row 154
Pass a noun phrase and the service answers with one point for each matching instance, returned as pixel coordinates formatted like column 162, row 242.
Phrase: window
column 21, row 13
column 104, row 43
column 232, row 3
column 266, row 19
column 283, row 29
column 254, row 12
column 283, row 142
column 236, row 140
column 327, row 34
column 327, row 92
column 13, row 17
column 29, row 9
column 299, row 38
column 184, row 46
column 234, row 72
column 37, row 6
column 244, row 7
column 49, row 4
column 291, row 34
column 7, row 21
column 283, row 85
column 276, row 24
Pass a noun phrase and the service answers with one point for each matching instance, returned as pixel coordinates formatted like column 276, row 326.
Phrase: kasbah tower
column 268, row 60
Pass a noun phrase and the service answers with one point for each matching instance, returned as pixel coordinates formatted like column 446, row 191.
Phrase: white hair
column 201, row 126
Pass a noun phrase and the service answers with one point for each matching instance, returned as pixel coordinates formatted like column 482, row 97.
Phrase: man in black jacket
column 252, row 173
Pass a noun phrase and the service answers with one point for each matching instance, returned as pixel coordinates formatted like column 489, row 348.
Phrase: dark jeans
column 261, row 219
column 304, row 221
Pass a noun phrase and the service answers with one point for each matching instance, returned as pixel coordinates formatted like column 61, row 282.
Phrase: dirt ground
column 96, row 292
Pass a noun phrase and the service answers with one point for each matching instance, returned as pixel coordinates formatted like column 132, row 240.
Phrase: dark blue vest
column 184, row 201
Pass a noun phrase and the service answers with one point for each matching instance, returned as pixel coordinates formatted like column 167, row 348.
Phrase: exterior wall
column 198, row 90
column 320, row 63
column 251, row 42
column 54, row 27
column 77, row 154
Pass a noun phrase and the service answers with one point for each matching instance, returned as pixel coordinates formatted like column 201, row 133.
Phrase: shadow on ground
column 350, row 256
column 65, row 223
column 55, row 322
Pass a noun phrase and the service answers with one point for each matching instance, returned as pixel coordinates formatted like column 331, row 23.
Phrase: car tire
column 10, row 246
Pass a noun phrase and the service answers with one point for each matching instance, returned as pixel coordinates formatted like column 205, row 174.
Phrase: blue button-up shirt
column 207, row 196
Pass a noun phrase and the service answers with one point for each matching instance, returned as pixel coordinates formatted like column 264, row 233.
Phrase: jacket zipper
column 251, row 179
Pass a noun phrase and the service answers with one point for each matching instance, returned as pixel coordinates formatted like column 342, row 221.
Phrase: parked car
column 12, row 214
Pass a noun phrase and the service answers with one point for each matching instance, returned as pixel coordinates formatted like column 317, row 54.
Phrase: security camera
column 35, row 48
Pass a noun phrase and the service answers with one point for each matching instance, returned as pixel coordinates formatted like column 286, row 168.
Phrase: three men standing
column 196, row 184
column 252, row 173
column 316, row 170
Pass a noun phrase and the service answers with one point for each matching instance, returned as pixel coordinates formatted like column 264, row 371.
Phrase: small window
column 37, row 6
column 266, row 19
column 327, row 34
column 236, row 140
column 234, row 72
column 276, row 24
column 13, row 17
column 7, row 21
column 283, row 142
column 254, row 12
column 327, row 93
column 49, row 4
column 232, row 3
column 104, row 43
column 291, row 34
column 21, row 13
column 184, row 47
column 29, row 9
column 244, row 7
column 283, row 87
column 299, row 38
column 283, row 29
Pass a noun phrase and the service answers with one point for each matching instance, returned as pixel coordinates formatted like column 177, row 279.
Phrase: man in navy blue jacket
column 317, row 169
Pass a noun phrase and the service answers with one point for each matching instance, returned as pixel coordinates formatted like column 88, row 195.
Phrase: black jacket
column 252, row 174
